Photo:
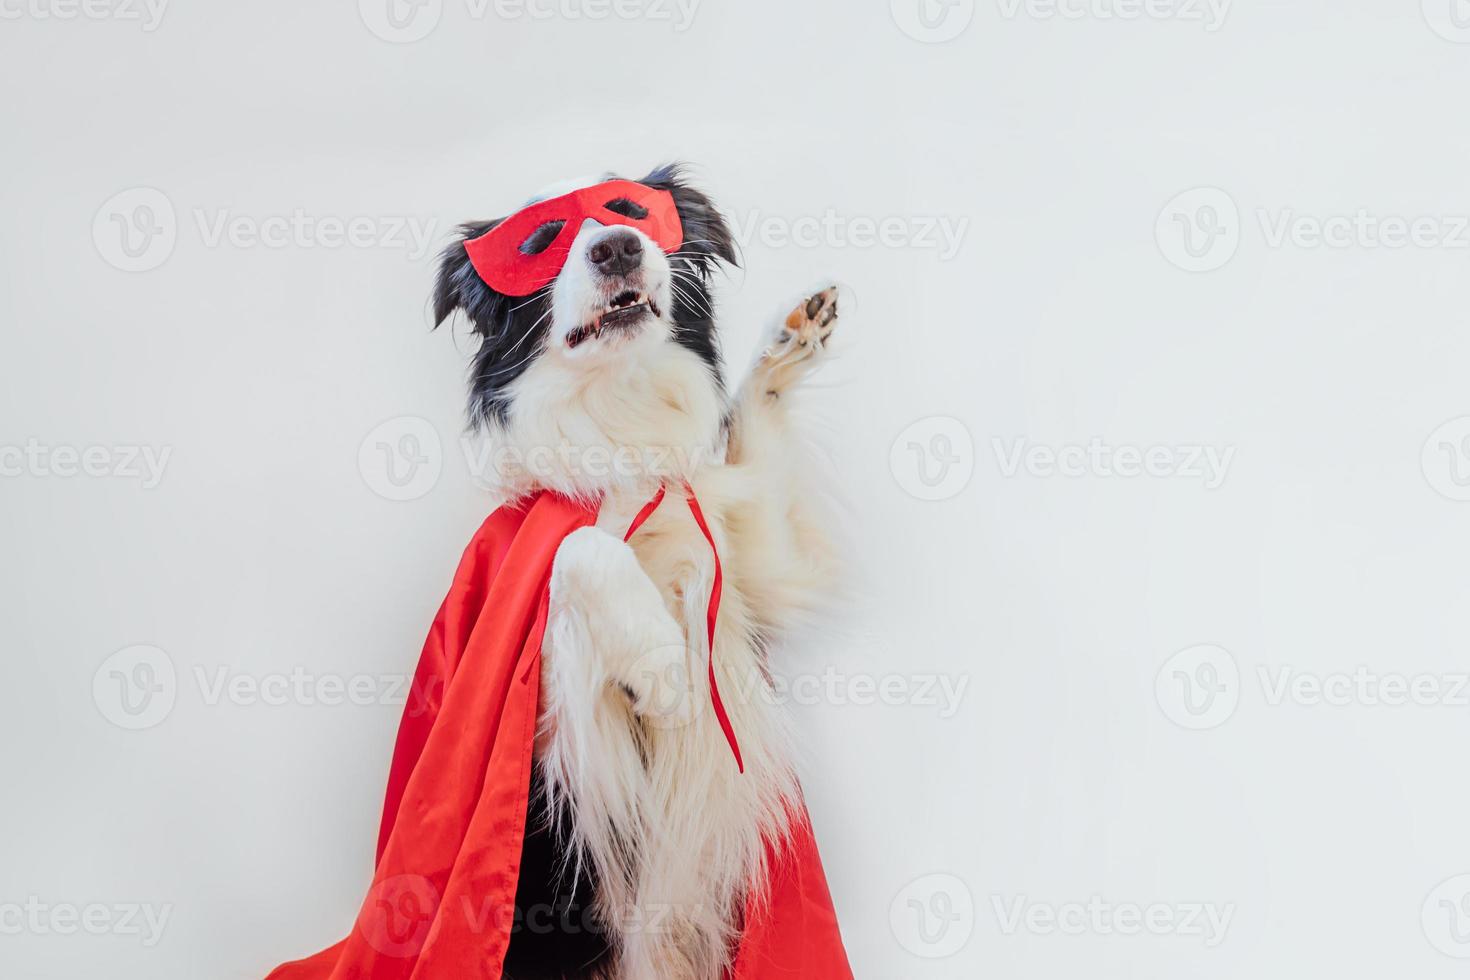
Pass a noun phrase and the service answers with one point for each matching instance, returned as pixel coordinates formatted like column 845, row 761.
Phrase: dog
column 605, row 383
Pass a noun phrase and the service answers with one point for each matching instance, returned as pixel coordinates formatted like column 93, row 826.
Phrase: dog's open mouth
column 624, row 313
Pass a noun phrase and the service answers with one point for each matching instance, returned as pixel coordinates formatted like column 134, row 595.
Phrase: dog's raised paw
column 800, row 338
column 813, row 321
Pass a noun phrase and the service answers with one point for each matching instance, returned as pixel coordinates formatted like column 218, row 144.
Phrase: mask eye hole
column 540, row 239
column 627, row 208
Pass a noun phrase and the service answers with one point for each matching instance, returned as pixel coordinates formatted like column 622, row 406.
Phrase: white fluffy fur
column 628, row 737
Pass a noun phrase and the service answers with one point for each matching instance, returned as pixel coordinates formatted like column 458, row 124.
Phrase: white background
column 1075, row 767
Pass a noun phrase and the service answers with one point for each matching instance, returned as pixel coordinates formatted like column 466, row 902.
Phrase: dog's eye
column 540, row 239
column 627, row 208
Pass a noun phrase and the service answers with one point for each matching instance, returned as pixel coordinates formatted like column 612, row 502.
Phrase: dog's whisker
column 684, row 291
column 529, row 330
column 689, row 301
column 507, row 370
column 693, row 305
column 527, row 303
column 693, row 275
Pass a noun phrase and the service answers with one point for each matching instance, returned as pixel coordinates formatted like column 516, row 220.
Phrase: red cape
column 441, row 905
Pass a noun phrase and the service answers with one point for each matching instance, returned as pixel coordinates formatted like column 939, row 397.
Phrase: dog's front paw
column 812, row 322
column 661, row 684
column 637, row 644
column 801, row 337
column 588, row 562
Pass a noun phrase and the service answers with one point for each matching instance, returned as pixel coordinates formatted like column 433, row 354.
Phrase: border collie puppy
column 604, row 384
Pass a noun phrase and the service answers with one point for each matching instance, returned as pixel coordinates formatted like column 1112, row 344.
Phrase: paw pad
column 815, row 319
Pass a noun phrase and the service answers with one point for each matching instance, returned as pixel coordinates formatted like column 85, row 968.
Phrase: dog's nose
column 616, row 253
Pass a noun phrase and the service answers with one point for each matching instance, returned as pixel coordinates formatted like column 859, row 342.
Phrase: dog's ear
column 705, row 231
column 459, row 286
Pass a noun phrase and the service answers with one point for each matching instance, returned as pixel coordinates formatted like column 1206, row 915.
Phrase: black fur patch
column 554, row 933
column 512, row 329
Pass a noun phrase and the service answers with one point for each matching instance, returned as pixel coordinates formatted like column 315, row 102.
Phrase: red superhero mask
column 528, row 249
